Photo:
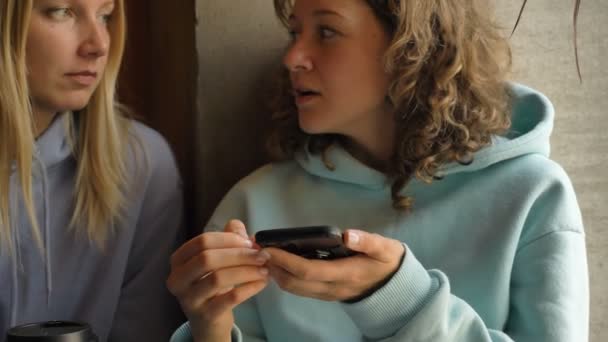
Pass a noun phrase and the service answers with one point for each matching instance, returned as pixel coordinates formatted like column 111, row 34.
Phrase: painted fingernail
column 263, row 271
column 262, row 257
column 353, row 238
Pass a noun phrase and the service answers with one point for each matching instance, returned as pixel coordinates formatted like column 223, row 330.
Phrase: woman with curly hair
column 396, row 122
column 90, row 200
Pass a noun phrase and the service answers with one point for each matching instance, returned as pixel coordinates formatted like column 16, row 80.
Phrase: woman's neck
column 375, row 153
column 42, row 121
column 373, row 142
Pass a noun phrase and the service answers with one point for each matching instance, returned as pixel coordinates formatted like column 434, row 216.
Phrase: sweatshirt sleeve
column 184, row 334
column 232, row 206
column 549, row 300
column 146, row 310
column 548, row 289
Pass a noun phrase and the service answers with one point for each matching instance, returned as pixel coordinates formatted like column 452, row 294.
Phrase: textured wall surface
column 237, row 42
column 239, row 39
column 544, row 59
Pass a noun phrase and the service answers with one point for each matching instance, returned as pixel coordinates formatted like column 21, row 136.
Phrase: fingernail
column 262, row 257
column 353, row 238
column 263, row 271
column 247, row 243
column 238, row 227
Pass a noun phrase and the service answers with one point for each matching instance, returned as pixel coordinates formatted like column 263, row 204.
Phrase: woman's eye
column 327, row 33
column 59, row 13
column 106, row 18
column 293, row 34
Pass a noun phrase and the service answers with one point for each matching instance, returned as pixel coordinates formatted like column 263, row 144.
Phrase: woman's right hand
column 213, row 273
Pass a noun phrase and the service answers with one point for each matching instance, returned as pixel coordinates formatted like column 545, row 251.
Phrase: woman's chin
column 74, row 106
column 311, row 126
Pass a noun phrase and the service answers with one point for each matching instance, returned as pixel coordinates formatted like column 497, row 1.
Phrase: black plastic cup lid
column 52, row 331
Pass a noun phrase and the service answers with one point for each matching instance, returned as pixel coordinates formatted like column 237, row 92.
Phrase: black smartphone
column 315, row 242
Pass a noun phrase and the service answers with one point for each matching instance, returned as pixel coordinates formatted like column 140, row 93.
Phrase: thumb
column 373, row 245
column 237, row 227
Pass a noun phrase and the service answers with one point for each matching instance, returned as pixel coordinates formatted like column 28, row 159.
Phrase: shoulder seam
column 542, row 236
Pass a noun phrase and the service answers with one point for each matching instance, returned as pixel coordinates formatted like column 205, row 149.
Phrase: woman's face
column 335, row 62
column 67, row 48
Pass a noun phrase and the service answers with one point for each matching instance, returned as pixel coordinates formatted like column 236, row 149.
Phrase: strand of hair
column 521, row 12
column 577, row 5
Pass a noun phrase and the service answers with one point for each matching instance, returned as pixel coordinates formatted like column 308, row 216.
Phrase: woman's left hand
column 342, row 279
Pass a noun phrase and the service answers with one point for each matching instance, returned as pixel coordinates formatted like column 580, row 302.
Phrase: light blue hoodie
column 495, row 250
column 119, row 291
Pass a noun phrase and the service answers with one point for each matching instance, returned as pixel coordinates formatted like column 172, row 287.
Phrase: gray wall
column 544, row 59
column 239, row 39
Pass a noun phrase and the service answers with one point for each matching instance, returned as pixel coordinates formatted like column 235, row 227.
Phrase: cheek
column 356, row 79
column 45, row 51
column 38, row 75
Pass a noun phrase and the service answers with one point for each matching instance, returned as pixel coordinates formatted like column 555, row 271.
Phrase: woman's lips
column 84, row 78
column 305, row 97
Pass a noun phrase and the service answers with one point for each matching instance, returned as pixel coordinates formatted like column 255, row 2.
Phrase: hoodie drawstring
column 16, row 262
column 46, row 230
column 52, row 145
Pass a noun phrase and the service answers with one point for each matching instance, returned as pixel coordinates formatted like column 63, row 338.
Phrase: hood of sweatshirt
column 532, row 122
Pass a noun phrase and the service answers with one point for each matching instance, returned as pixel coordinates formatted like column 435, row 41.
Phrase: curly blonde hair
column 448, row 63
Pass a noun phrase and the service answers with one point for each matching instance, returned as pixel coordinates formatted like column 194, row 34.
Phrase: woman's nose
column 298, row 57
column 96, row 40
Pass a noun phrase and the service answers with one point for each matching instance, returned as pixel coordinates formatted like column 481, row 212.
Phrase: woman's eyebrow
column 324, row 12
column 320, row 13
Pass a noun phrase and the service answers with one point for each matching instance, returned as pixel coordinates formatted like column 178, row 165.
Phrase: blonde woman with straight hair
column 90, row 201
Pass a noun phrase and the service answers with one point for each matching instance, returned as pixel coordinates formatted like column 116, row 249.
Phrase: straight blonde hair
column 99, row 135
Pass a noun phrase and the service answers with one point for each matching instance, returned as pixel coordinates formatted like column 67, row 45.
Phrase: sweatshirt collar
column 347, row 169
column 532, row 122
column 52, row 147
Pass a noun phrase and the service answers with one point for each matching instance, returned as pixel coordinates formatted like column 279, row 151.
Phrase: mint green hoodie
column 495, row 250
